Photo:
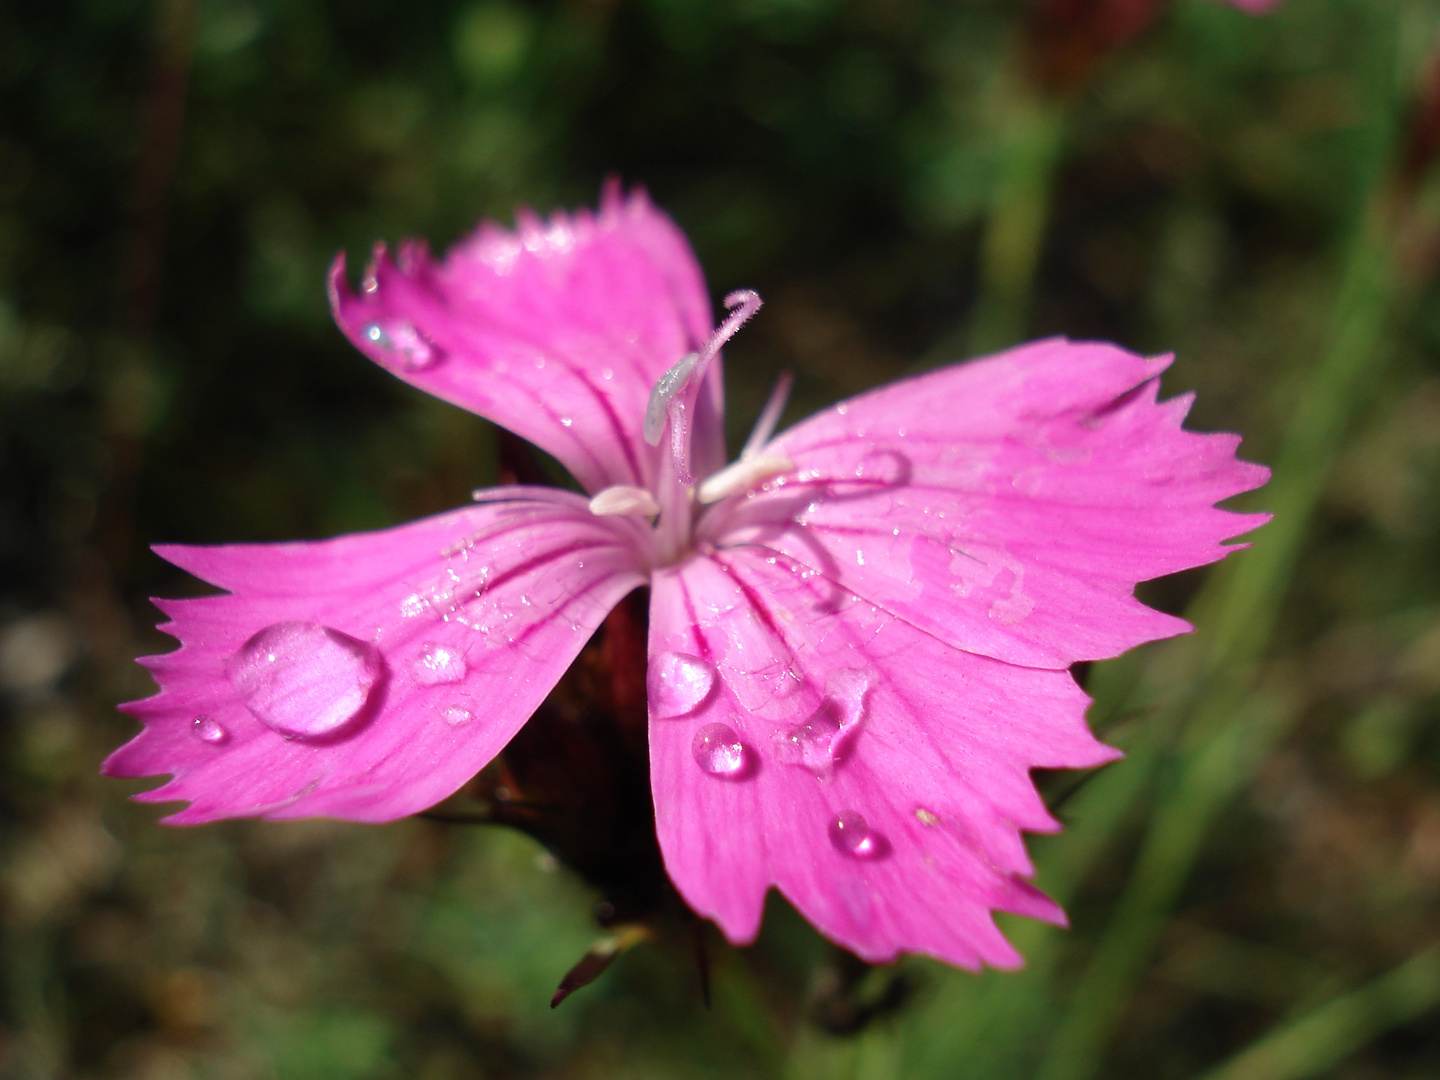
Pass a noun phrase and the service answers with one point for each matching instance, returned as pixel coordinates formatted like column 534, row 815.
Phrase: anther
column 741, row 476
column 625, row 500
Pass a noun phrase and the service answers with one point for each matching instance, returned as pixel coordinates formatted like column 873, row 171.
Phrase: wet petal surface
column 369, row 676
column 1009, row 505
column 557, row 331
column 907, row 835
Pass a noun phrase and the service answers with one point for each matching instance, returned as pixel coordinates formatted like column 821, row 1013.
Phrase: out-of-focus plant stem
column 1317, row 1040
column 1226, row 726
column 1029, row 153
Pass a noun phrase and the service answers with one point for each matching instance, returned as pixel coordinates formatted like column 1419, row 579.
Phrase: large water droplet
column 304, row 680
column 678, row 683
column 718, row 750
column 403, row 340
column 818, row 742
column 851, row 835
column 809, row 743
column 207, row 729
column 438, row 664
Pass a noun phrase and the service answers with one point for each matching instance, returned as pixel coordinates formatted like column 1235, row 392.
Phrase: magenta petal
column 1009, row 505
column 369, row 676
column 877, row 776
column 557, row 331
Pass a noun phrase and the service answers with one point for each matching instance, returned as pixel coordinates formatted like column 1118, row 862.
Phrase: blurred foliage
column 1253, row 891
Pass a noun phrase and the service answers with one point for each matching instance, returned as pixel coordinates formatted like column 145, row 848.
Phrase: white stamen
column 666, row 388
column 741, row 476
column 769, row 417
column 624, row 499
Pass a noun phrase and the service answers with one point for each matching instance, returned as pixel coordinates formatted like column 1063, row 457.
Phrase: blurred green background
column 1253, row 890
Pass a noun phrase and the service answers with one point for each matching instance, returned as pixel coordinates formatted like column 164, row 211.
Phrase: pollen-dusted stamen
column 769, row 417
column 740, row 476
column 674, row 393
column 626, row 500
column 666, row 388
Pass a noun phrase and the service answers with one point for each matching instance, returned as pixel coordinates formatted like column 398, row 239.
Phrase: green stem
column 1316, row 1041
column 1221, row 744
column 1029, row 154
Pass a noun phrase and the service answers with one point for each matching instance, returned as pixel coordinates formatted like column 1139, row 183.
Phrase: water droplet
column 456, row 715
column 678, row 683
column 415, row 352
column 927, row 817
column 851, row 835
column 565, row 420
column 809, row 743
column 883, row 467
column 304, row 680
column 438, row 664
column 818, row 742
column 718, row 750
column 207, row 729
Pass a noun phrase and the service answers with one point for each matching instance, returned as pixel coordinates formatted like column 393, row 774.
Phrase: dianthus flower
column 859, row 631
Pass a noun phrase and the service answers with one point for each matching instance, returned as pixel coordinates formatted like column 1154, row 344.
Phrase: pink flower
column 859, row 631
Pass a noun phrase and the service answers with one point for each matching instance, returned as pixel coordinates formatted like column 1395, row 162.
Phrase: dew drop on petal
column 208, row 730
column 852, row 836
column 809, row 743
column 455, row 715
column 818, row 742
column 304, row 680
column 678, row 683
column 883, row 467
column 718, row 750
column 438, row 664
column 404, row 341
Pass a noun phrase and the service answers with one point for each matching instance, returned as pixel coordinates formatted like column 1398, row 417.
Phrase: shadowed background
column 1253, row 890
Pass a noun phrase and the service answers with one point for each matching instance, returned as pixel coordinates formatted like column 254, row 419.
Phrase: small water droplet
column 926, row 817
column 456, row 715
column 718, row 750
column 883, row 467
column 414, row 351
column 566, row 421
column 207, row 729
column 438, row 664
column 304, row 680
column 678, row 683
column 852, row 836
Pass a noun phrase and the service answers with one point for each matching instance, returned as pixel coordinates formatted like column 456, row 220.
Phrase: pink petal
column 1009, row 505
column 557, row 331
column 783, row 706
column 404, row 660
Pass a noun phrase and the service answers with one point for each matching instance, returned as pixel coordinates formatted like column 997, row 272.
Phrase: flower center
column 671, row 505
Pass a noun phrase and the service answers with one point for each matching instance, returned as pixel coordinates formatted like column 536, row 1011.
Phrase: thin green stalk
column 1241, row 606
column 1029, row 154
column 1317, row 1040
